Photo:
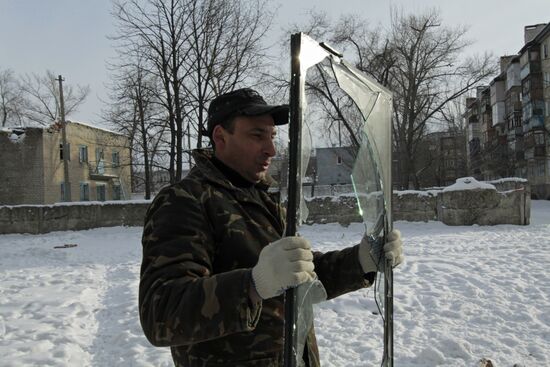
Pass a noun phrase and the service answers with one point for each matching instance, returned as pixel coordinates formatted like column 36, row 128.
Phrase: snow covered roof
column 95, row 127
column 10, row 129
column 15, row 134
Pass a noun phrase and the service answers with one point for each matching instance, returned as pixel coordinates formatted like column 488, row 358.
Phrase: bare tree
column 421, row 61
column 225, row 49
column 197, row 49
column 135, row 112
column 156, row 28
column 428, row 74
column 41, row 95
column 11, row 99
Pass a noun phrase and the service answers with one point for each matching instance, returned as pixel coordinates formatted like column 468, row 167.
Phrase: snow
column 83, row 203
column 463, row 293
column 468, row 183
column 427, row 193
column 508, row 179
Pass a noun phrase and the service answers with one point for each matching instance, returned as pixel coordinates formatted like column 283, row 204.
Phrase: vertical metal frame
column 315, row 52
column 294, row 169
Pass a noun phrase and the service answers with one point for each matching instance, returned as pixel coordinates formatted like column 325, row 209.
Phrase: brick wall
column 21, row 169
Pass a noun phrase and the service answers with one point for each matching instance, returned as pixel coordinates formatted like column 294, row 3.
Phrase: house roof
column 95, row 127
column 23, row 128
column 540, row 36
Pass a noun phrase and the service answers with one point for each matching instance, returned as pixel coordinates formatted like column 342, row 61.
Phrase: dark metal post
column 388, row 315
column 294, row 183
column 67, row 183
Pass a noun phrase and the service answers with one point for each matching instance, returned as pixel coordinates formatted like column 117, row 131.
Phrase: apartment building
column 535, row 137
column 474, row 137
column 31, row 165
column 513, row 116
column 441, row 159
column 509, row 120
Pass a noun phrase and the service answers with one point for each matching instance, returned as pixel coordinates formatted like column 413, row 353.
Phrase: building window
column 98, row 154
column 68, row 151
column 545, row 50
column 62, row 191
column 100, row 164
column 338, row 160
column 540, row 169
column 84, row 191
column 116, row 159
column 117, row 192
column 100, row 192
column 83, row 154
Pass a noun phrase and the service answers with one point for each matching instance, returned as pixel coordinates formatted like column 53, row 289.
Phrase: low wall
column 415, row 206
column 333, row 209
column 68, row 217
column 508, row 203
column 482, row 203
column 505, row 201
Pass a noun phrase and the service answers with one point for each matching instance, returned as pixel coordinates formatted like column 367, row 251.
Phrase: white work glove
column 283, row 264
column 372, row 255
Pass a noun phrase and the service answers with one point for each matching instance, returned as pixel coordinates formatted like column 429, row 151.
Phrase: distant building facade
column 509, row 132
column 441, row 159
column 31, row 165
column 334, row 165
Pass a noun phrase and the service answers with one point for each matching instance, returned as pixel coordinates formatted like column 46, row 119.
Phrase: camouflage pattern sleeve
column 340, row 271
column 180, row 301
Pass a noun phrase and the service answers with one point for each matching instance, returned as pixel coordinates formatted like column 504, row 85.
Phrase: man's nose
column 269, row 148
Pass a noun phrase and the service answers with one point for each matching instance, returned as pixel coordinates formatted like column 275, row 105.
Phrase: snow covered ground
column 463, row 293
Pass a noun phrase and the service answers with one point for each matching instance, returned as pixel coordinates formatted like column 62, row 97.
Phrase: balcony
column 539, row 151
column 486, row 108
column 535, row 67
column 525, row 70
column 94, row 175
column 100, row 173
column 520, row 156
column 518, row 130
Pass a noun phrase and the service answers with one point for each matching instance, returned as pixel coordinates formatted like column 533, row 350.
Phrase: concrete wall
column 339, row 209
column 484, row 207
column 508, row 203
column 415, row 206
column 36, row 219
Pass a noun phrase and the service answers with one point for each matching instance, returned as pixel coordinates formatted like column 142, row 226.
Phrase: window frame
column 84, row 191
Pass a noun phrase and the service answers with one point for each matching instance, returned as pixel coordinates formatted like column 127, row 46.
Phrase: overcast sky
column 68, row 37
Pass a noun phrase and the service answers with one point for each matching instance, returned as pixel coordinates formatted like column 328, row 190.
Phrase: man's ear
column 218, row 136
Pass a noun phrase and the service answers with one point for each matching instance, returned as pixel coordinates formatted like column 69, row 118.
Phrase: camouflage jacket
column 201, row 238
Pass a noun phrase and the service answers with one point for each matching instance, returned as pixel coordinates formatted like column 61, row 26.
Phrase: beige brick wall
column 32, row 170
column 80, row 135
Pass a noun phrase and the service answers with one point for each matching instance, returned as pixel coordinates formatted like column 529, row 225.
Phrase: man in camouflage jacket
column 202, row 248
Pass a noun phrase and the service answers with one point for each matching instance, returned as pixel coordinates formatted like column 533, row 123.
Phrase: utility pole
column 67, row 183
column 189, row 144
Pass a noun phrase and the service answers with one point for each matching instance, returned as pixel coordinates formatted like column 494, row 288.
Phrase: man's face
column 249, row 148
